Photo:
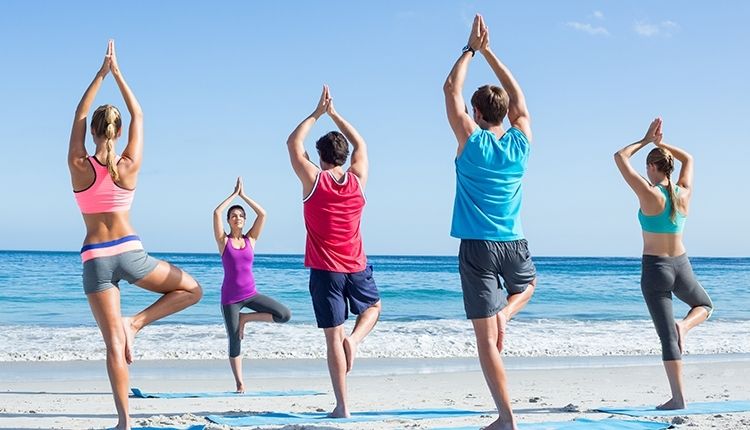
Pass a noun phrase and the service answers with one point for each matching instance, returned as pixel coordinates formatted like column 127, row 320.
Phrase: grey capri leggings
column 660, row 277
column 258, row 303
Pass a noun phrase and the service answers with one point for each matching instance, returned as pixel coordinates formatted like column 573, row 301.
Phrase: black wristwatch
column 468, row 48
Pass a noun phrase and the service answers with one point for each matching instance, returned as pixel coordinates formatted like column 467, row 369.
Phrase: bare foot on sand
column 339, row 412
column 127, row 326
column 672, row 404
column 500, row 425
column 502, row 322
column 240, row 388
column 681, row 333
column 350, row 350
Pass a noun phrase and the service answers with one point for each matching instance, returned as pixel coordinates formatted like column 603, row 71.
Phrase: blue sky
column 223, row 84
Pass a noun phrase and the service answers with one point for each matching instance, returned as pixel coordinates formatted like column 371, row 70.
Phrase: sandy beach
column 75, row 394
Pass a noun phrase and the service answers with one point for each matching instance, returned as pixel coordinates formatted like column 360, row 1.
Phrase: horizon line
column 371, row 255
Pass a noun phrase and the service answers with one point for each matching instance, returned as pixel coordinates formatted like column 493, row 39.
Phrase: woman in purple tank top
column 238, row 289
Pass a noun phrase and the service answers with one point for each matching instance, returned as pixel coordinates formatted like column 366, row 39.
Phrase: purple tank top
column 239, row 283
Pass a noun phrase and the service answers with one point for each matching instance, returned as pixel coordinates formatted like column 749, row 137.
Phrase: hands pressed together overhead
column 479, row 38
column 654, row 133
column 239, row 188
column 325, row 104
column 110, row 60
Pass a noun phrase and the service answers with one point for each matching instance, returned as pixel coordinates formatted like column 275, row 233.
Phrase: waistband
column 664, row 259
column 113, row 247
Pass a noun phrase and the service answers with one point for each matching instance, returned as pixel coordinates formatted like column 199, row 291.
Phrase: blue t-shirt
column 488, row 186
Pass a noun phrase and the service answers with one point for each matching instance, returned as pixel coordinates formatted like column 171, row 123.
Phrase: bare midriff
column 663, row 244
column 104, row 227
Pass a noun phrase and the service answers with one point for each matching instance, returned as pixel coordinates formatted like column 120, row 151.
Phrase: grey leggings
column 258, row 303
column 660, row 277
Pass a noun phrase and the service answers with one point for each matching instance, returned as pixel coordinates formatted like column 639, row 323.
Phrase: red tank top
column 333, row 212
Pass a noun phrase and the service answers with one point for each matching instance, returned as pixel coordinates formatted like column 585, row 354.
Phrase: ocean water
column 582, row 307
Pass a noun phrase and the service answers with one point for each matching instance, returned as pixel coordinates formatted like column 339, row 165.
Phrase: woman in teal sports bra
column 665, row 268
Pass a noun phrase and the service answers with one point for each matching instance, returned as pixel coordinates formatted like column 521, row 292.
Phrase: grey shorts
column 486, row 267
column 102, row 273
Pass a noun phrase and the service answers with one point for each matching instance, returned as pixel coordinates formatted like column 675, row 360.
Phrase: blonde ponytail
column 106, row 122
column 663, row 160
column 673, row 201
column 111, row 115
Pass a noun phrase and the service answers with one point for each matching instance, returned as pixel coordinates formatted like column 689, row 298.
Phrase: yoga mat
column 143, row 395
column 582, row 424
column 276, row 418
column 193, row 427
column 692, row 409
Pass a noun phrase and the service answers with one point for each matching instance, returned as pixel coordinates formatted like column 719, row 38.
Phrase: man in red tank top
column 340, row 279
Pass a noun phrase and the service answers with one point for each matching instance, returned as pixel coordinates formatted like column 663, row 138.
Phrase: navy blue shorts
column 334, row 294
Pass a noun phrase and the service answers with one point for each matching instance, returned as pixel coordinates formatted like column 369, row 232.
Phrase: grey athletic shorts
column 102, row 273
column 486, row 267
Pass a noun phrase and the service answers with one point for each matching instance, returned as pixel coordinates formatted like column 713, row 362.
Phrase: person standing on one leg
column 104, row 187
column 490, row 165
column 665, row 265
column 237, row 250
column 340, row 278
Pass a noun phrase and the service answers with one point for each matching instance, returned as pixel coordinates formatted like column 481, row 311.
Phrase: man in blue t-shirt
column 490, row 164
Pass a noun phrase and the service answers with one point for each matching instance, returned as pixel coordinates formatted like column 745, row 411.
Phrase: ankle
column 136, row 324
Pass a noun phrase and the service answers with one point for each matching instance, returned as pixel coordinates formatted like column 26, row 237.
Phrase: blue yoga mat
column 692, row 409
column 583, row 424
column 193, row 427
column 280, row 418
column 143, row 395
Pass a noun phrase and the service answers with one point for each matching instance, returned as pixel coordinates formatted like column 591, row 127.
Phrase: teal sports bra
column 661, row 223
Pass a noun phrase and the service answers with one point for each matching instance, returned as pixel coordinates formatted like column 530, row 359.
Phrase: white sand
column 75, row 395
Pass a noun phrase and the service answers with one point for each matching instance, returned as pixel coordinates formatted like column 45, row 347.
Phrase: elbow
column 619, row 157
column 449, row 87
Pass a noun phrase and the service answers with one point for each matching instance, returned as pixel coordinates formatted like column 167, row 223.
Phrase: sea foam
column 415, row 339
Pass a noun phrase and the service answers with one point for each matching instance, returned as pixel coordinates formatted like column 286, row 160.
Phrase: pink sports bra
column 103, row 195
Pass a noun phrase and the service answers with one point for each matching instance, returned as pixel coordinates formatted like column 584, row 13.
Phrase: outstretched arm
column 133, row 152
column 304, row 168
column 461, row 123
column 219, row 233
column 518, row 113
column 360, row 164
column 640, row 185
column 77, row 146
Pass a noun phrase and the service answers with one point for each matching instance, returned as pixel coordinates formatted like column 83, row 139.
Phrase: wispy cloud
column 598, row 14
column 665, row 28
column 588, row 28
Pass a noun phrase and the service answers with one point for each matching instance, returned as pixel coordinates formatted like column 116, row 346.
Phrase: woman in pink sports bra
column 104, row 185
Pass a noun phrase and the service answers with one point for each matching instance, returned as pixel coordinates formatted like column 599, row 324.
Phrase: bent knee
column 195, row 290
column 283, row 317
column 531, row 288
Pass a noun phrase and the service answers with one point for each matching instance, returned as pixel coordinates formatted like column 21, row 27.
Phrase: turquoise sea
column 583, row 306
